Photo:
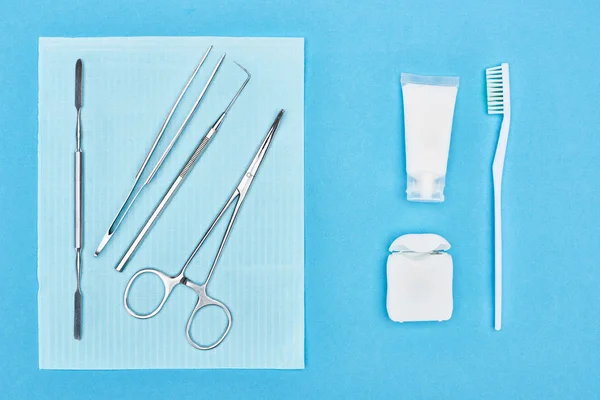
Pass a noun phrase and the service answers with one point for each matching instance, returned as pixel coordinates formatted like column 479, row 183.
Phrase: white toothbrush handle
column 498, row 253
column 497, row 170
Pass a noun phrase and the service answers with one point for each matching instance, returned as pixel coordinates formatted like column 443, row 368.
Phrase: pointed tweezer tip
column 100, row 247
column 103, row 243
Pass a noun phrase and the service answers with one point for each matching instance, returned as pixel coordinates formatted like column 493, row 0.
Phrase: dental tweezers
column 137, row 186
column 189, row 164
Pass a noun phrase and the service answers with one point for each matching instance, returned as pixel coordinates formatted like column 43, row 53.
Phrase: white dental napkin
column 129, row 85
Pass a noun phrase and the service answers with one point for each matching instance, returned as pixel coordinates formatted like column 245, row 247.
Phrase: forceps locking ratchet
column 137, row 187
column 212, row 131
column 170, row 282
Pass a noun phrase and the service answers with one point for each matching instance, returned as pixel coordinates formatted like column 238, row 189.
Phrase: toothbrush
column 498, row 102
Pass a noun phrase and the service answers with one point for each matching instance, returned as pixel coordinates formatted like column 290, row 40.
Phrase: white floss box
column 419, row 279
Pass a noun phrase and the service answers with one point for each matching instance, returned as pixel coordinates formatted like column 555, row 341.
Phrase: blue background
column 355, row 206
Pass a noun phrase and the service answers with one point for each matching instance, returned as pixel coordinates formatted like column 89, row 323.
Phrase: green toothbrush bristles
column 495, row 89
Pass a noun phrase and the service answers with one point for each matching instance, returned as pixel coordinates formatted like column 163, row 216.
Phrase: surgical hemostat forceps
column 212, row 131
column 137, row 187
column 170, row 282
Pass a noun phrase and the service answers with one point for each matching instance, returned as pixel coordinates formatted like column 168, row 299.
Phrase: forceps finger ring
column 205, row 301
column 169, row 282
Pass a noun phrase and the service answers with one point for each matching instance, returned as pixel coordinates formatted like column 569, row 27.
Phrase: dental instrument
column 498, row 102
column 212, row 131
column 137, row 188
column 170, row 282
column 78, row 202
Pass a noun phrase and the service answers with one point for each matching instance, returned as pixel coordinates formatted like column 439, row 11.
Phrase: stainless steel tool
column 78, row 200
column 212, row 131
column 138, row 186
column 170, row 282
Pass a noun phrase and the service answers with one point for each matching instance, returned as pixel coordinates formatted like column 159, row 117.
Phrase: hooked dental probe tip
column 245, row 70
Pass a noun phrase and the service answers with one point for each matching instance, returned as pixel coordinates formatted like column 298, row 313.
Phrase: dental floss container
column 419, row 279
